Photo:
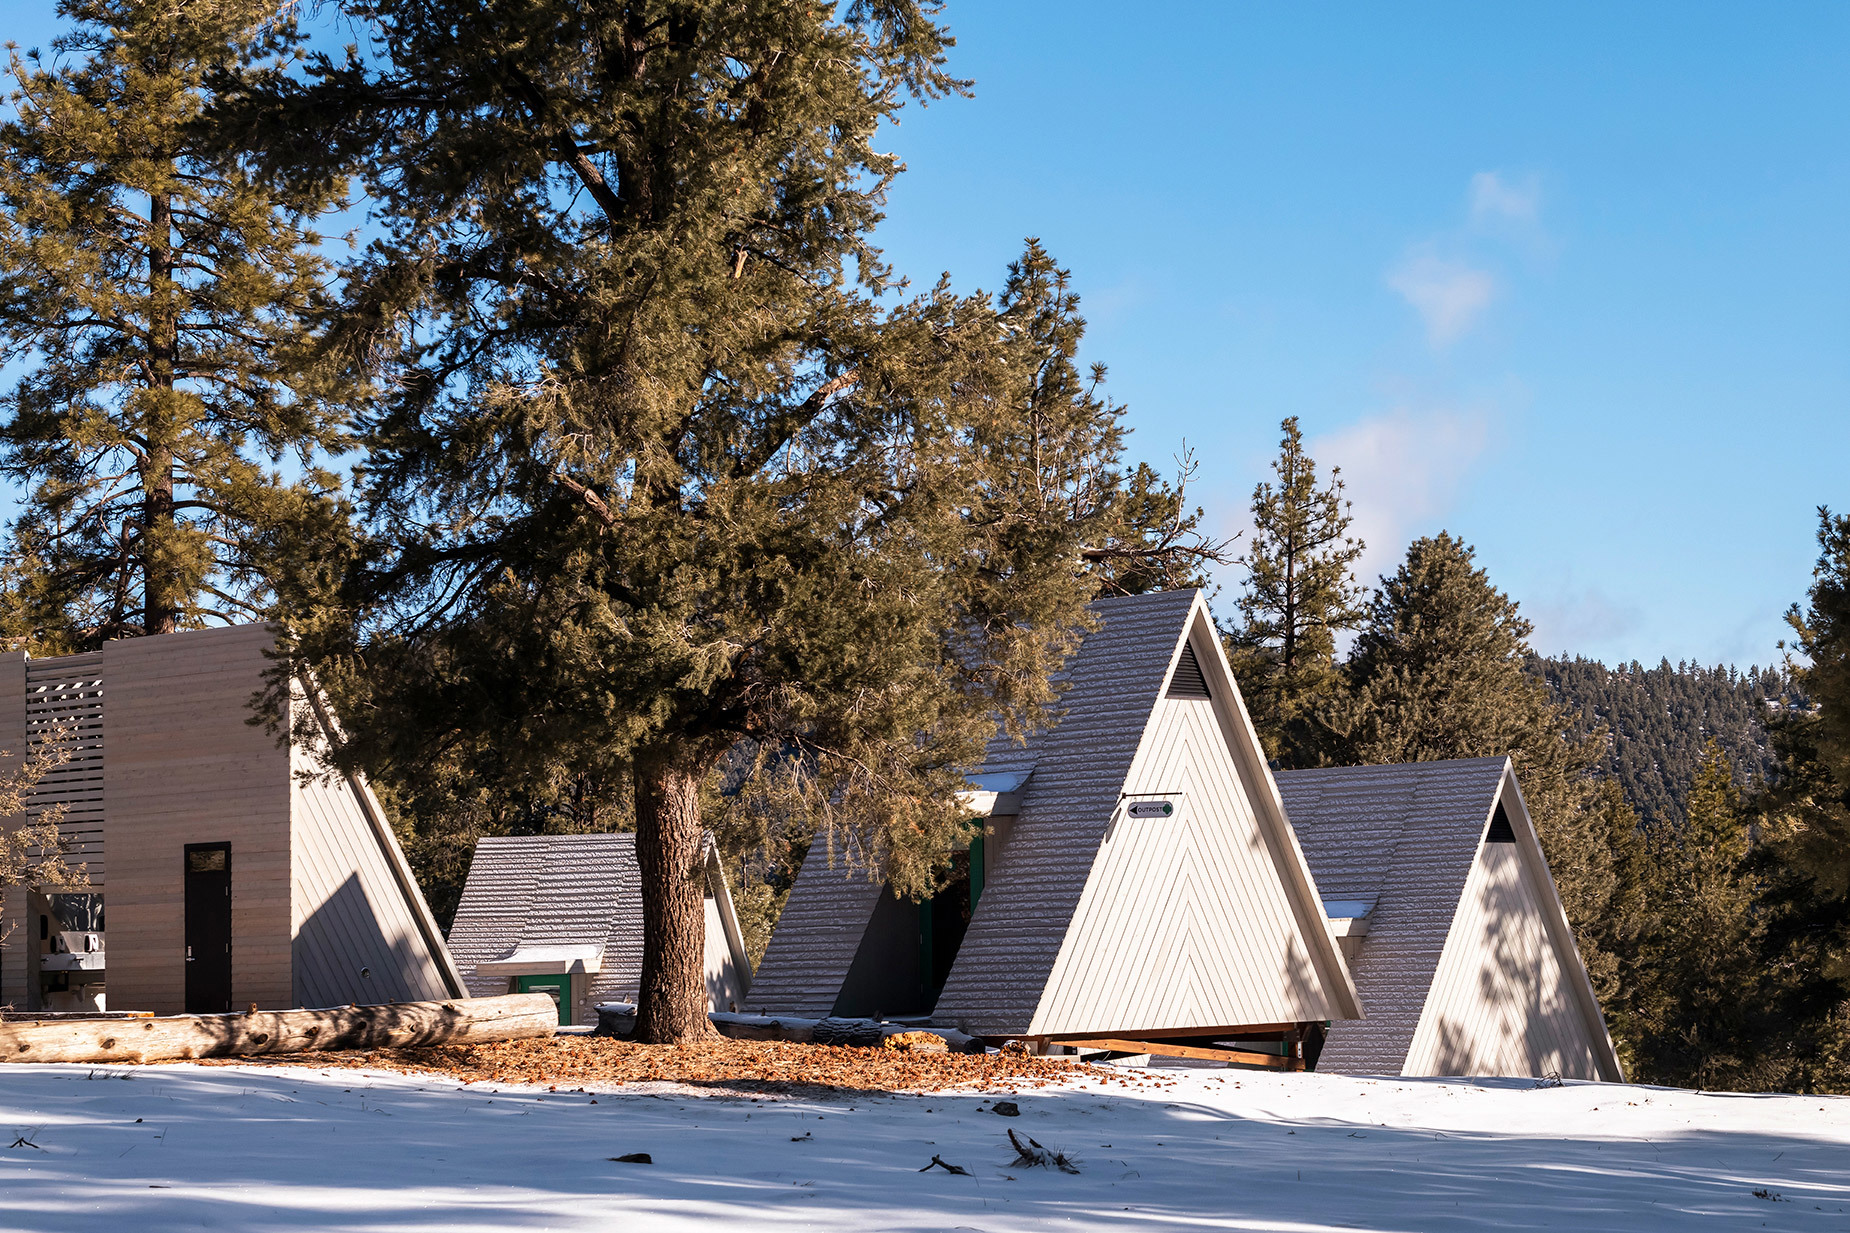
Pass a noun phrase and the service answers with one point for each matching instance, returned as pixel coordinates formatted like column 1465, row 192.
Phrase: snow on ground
column 135, row 1149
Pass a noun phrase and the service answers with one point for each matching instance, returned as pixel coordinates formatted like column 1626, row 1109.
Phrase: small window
column 1187, row 681
column 1500, row 830
column 207, row 860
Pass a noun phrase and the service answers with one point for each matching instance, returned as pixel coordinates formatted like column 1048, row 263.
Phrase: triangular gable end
column 1510, row 994
column 1199, row 911
column 360, row 927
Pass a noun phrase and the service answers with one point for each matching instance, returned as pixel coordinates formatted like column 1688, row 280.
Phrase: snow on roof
column 1405, row 837
column 545, row 960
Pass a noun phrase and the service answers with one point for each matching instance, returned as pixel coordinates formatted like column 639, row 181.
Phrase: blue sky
column 1571, row 282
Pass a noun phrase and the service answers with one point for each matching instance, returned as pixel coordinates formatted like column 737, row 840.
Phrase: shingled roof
column 1399, row 843
column 527, row 892
column 566, row 902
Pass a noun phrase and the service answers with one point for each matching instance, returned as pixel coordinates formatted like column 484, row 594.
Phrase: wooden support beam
column 458, row 1021
column 1215, row 1033
column 1165, row 1049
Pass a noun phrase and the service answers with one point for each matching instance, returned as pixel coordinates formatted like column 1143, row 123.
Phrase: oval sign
column 1152, row 809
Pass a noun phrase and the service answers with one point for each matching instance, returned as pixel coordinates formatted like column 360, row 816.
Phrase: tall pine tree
column 154, row 296
column 1299, row 593
column 1439, row 670
column 1811, row 804
column 1699, row 1003
column 665, row 476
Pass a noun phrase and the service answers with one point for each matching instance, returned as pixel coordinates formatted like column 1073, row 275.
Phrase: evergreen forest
column 1653, row 725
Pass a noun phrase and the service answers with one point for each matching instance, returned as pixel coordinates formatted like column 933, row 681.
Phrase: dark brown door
column 208, row 928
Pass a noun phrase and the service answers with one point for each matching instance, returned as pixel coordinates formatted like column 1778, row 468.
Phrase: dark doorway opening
column 943, row 921
column 208, row 928
column 906, row 954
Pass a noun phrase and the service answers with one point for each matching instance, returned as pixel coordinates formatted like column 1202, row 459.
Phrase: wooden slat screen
column 64, row 709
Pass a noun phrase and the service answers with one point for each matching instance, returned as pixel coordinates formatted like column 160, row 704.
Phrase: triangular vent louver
column 1500, row 829
column 1188, row 681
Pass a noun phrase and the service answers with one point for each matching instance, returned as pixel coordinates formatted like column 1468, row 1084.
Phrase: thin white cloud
column 1404, row 471
column 1579, row 622
column 1497, row 201
column 1449, row 295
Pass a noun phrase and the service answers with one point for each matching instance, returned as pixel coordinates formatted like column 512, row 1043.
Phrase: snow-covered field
column 129, row 1150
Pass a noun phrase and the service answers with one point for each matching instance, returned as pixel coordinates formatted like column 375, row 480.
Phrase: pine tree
column 1701, row 1002
column 153, row 295
column 1804, row 816
column 1810, row 810
column 1299, row 594
column 1439, row 670
column 664, row 476
column 1614, row 913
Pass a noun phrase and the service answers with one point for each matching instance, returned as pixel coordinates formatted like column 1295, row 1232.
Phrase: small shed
column 1135, row 878
column 224, row 868
column 562, row 914
column 1437, row 887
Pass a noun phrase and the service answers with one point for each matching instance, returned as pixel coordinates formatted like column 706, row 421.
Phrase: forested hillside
column 1659, row 720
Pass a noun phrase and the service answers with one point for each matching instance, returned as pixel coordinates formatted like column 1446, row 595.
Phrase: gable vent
column 1500, row 830
column 1187, row 682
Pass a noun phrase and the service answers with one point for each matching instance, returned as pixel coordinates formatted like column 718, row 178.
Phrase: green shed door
column 560, row 987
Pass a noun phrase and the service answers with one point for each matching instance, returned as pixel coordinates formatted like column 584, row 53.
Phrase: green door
column 560, row 987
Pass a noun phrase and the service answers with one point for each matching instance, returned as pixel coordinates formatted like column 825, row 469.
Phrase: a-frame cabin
column 225, row 869
column 1440, row 893
column 562, row 914
column 1137, row 879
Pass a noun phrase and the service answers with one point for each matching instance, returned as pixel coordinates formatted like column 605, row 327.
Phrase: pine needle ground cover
column 744, row 1065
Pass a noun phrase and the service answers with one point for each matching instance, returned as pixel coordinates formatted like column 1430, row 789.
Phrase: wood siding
column 1403, row 838
column 1185, row 921
column 182, row 765
column 724, row 992
column 1501, row 1002
column 357, row 936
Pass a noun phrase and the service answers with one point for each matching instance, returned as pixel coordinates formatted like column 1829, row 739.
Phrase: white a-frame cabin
column 1437, row 887
column 224, row 869
column 1136, row 880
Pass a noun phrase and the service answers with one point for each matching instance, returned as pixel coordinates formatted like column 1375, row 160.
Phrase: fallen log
column 831, row 1031
column 459, row 1021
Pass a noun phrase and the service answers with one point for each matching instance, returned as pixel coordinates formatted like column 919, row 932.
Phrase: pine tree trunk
column 672, row 1005
column 160, row 605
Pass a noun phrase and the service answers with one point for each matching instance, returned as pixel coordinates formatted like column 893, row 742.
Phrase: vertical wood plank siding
column 356, row 935
column 1092, row 921
column 182, row 765
column 163, row 754
column 1080, row 766
column 1501, row 1003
